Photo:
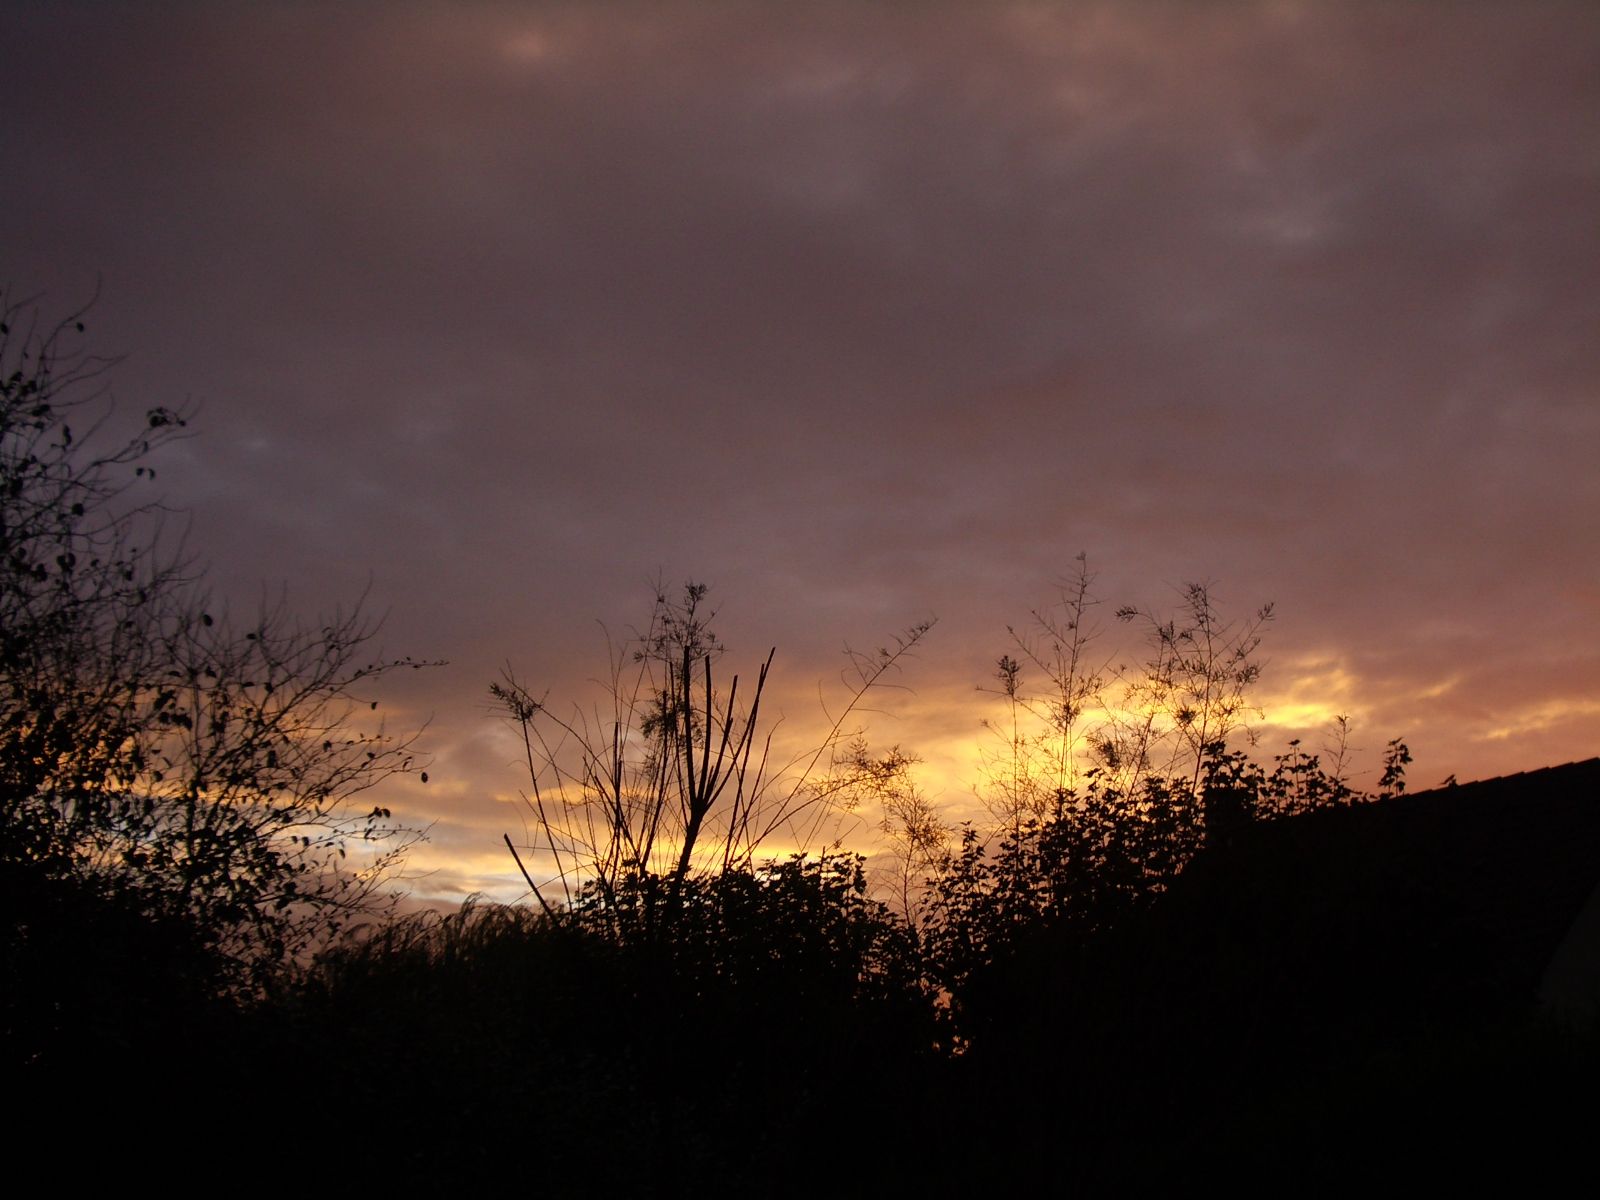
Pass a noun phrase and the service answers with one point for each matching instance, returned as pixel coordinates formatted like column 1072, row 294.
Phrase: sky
column 865, row 315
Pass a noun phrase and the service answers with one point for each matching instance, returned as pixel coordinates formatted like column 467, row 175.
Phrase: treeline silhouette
column 1327, row 998
column 1153, row 958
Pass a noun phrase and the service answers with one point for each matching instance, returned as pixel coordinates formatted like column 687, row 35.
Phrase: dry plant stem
column 679, row 777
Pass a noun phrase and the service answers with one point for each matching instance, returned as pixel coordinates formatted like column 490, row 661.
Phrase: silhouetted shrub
column 761, row 1015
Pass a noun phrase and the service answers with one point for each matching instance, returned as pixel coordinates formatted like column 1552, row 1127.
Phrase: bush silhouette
column 754, row 1023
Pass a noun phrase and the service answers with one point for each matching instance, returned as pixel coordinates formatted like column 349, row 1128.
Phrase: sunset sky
column 864, row 314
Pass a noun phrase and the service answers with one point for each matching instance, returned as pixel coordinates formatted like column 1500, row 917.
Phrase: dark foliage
column 767, row 1021
column 1323, row 999
column 1078, row 869
column 1327, row 998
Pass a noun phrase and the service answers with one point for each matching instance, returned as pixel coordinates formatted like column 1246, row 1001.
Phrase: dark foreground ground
column 1350, row 998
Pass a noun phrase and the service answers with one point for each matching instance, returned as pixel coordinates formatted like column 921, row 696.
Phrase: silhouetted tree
column 156, row 758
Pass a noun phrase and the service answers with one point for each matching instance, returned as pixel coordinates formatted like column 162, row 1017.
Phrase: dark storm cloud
column 862, row 312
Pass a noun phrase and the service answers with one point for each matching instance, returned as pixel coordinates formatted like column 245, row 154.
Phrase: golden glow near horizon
column 958, row 735
column 957, row 758
column 1317, row 693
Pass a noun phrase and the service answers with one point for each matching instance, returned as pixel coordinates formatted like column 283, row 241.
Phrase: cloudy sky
column 864, row 314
